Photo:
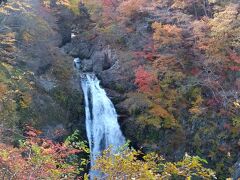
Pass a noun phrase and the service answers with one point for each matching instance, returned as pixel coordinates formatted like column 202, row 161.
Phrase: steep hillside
column 172, row 69
column 37, row 84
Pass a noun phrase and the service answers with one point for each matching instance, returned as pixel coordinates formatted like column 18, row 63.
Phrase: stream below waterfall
column 102, row 125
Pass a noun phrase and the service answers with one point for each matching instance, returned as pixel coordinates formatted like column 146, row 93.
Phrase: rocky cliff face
column 48, row 98
column 106, row 63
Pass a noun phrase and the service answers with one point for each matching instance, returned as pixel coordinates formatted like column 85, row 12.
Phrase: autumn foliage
column 166, row 34
column 178, row 65
column 130, row 7
column 234, row 61
column 37, row 157
column 144, row 80
column 127, row 164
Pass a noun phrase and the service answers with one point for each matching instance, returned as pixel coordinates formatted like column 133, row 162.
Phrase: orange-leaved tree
column 167, row 34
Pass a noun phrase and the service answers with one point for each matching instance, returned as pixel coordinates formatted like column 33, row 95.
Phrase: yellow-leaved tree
column 133, row 164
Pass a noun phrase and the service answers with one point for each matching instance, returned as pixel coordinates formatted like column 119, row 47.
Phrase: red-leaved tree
column 145, row 80
column 39, row 158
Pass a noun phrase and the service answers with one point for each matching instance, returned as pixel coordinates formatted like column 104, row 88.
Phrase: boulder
column 87, row 65
column 84, row 50
column 98, row 59
column 78, row 48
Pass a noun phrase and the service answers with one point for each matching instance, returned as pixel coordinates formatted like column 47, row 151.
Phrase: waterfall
column 101, row 119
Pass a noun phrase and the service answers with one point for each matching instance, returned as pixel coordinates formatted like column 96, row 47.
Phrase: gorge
column 160, row 74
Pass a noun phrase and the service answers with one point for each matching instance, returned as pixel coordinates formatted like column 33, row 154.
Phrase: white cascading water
column 102, row 125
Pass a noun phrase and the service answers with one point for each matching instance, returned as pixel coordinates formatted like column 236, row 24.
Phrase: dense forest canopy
column 171, row 68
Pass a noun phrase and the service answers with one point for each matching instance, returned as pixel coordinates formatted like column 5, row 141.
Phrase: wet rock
column 98, row 59
column 66, row 34
column 115, row 96
column 83, row 50
column 77, row 63
column 87, row 65
column 113, row 79
column 67, row 47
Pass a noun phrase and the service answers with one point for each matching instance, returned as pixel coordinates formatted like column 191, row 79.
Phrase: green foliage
column 137, row 103
column 236, row 121
column 172, row 77
column 189, row 167
column 69, row 99
column 112, row 33
column 126, row 164
column 195, row 96
column 15, row 97
column 157, row 117
column 73, row 5
column 148, row 113
column 119, row 88
column 94, row 8
column 150, row 121
column 74, row 140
